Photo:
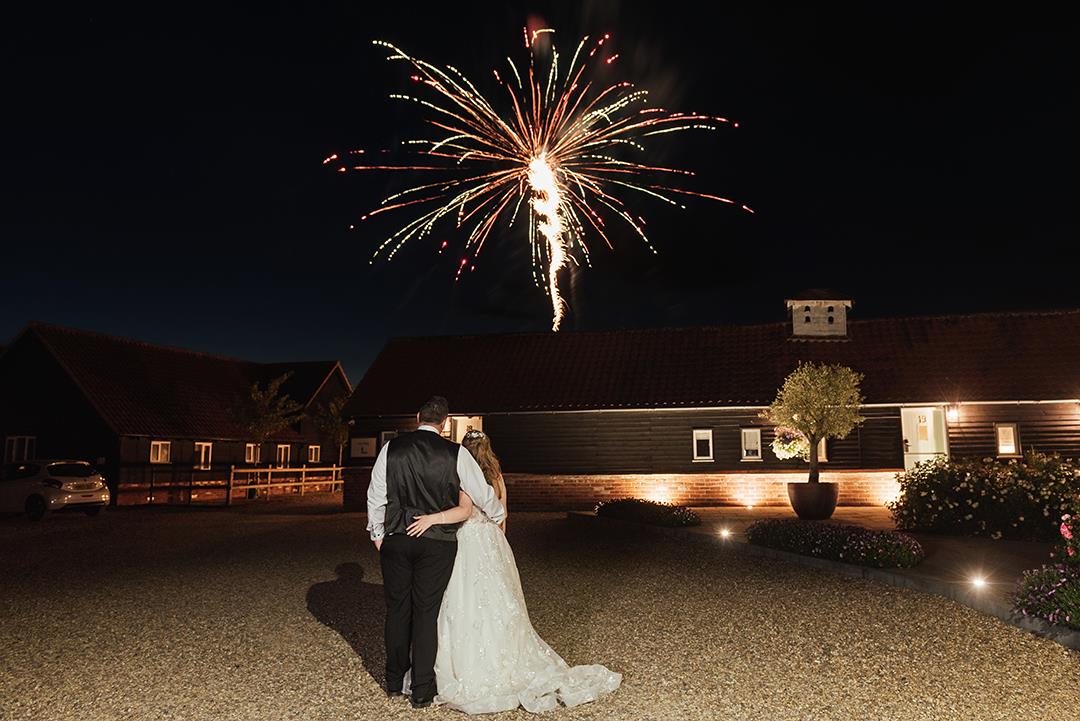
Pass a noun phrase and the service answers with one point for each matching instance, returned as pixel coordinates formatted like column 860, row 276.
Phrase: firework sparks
column 562, row 147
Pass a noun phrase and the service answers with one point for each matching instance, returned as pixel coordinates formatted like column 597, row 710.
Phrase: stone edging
column 980, row 602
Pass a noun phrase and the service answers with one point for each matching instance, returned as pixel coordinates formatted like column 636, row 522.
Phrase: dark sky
column 162, row 173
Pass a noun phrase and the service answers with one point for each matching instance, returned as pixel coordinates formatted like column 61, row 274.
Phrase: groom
column 415, row 474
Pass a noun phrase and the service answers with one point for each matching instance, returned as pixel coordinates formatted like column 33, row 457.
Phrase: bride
column 489, row 656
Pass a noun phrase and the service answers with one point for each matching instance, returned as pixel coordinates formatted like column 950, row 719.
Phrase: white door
column 924, row 434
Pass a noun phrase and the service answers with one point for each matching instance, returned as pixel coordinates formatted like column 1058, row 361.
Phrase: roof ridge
column 162, row 347
column 326, row 361
column 667, row 329
column 133, row 341
column 972, row 314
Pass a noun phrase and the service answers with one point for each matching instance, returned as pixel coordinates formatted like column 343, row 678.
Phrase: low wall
column 536, row 492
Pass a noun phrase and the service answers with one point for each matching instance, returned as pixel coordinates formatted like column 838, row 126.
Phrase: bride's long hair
column 479, row 445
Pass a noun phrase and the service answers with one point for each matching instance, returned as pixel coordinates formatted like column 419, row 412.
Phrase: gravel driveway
column 275, row 612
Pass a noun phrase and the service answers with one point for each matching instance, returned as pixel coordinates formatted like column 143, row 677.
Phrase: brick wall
column 529, row 492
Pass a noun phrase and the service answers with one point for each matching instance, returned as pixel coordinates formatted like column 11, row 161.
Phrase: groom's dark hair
column 434, row 411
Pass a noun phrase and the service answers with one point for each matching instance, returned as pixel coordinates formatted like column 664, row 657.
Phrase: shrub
column 850, row 544
column 1051, row 593
column 985, row 497
column 1070, row 538
column 652, row 512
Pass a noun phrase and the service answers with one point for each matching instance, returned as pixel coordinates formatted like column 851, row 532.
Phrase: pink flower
column 1071, row 551
column 1066, row 531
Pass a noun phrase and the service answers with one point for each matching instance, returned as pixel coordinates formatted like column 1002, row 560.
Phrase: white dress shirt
column 469, row 474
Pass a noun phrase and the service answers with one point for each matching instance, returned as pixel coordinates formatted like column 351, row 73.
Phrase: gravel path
column 275, row 613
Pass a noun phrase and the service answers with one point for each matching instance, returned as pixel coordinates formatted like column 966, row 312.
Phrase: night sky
column 162, row 174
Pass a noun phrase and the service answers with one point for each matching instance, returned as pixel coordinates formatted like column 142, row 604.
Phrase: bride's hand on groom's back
column 422, row 524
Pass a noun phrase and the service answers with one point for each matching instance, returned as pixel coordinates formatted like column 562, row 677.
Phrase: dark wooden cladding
column 1049, row 427
column 373, row 428
column 661, row 442
column 606, row 442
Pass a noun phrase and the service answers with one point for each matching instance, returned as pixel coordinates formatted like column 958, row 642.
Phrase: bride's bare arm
column 457, row 514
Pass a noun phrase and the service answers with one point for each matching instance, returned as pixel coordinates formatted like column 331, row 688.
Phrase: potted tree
column 817, row 401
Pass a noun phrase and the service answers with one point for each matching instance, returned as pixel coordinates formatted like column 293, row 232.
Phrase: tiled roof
column 1001, row 357
column 151, row 390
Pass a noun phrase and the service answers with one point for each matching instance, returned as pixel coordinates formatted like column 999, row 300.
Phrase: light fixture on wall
column 952, row 413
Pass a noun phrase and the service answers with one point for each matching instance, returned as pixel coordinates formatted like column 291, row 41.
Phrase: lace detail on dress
column 490, row 658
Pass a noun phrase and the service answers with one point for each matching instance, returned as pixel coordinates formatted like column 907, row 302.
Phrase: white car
column 37, row 487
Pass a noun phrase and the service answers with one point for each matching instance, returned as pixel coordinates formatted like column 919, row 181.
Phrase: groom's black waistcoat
column 421, row 478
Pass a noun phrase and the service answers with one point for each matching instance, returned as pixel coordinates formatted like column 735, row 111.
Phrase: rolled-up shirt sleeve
column 473, row 482
column 376, row 497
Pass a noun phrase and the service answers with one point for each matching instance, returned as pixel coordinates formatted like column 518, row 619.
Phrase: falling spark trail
column 558, row 148
column 548, row 205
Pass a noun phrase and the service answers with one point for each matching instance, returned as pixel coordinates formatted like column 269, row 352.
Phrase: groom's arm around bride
column 470, row 476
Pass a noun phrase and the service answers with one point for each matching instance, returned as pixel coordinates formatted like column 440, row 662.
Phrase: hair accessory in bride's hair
column 474, row 434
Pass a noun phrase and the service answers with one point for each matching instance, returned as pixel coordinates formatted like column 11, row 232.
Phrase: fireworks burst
column 563, row 148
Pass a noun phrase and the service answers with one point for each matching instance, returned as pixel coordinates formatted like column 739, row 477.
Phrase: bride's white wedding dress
column 490, row 659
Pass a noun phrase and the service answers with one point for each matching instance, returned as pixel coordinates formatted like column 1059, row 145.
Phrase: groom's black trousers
column 415, row 573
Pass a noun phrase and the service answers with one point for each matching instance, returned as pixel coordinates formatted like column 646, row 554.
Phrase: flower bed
column 849, row 544
column 984, row 497
column 1053, row 592
column 652, row 512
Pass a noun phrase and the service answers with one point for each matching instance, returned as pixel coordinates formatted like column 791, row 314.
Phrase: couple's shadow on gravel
column 356, row 610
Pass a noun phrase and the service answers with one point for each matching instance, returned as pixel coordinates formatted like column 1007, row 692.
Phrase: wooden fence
column 225, row 484
column 259, row 482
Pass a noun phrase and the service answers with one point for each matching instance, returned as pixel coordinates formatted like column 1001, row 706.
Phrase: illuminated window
column 386, row 436
column 922, row 428
column 314, row 454
column 751, row 444
column 703, row 444
column 160, row 452
column 284, row 455
column 252, row 453
column 1008, row 439
column 19, row 448
column 203, row 455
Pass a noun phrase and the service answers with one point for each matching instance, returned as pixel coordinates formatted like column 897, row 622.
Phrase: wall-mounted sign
column 362, row 448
